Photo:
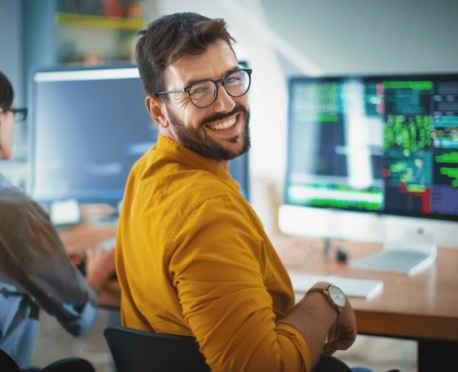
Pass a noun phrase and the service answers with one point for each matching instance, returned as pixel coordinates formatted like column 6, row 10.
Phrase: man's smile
column 227, row 127
column 223, row 124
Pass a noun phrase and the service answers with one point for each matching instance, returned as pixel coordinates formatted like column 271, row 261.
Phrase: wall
column 11, row 44
column 27, row 37
column 360, row 36
column 11, row 64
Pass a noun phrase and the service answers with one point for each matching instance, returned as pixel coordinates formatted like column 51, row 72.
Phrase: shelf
column 98, row 21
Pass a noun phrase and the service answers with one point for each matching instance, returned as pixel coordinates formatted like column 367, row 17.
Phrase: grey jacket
column 35, row 271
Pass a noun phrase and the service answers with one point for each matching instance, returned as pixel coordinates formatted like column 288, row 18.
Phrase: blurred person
column 192, row 256
column 35, row 270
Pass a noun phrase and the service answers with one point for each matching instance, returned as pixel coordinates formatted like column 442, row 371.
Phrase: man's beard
column 199, row 142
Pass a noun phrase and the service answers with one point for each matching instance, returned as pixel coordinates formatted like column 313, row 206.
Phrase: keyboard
column 365, row 288
column 107, row 244
column 409, row 262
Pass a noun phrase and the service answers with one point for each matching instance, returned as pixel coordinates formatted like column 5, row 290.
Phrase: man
column 192, row 256
column 35, row 270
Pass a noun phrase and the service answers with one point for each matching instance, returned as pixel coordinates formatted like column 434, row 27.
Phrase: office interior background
column 278, row 40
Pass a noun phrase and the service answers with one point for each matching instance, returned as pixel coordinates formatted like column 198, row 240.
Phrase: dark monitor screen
column 88, row 128
column 384, row 144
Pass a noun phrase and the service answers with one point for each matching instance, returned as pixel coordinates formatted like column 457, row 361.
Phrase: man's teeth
column 224, row 125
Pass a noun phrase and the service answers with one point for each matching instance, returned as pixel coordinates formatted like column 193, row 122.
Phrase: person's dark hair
column 6, row 91
column 169, row 38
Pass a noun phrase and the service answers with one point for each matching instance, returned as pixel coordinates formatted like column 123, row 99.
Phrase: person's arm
column 38, row 261
column 314, row 318
column 219, row 271
column 100, row 266
column 98, row 269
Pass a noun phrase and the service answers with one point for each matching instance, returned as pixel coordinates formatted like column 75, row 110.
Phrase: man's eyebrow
column 223, row 75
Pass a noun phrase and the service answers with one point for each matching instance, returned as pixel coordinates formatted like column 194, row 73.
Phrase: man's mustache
column 221, row 116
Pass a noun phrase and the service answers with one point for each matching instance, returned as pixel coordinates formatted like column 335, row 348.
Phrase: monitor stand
column 111, row 218
column 64, row 213
column 109, row 215
column 413, row 253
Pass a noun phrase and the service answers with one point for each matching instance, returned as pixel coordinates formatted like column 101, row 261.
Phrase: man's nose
column 224, row 102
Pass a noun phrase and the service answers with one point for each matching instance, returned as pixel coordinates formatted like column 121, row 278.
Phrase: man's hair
column 6, row 91
column 169, row 38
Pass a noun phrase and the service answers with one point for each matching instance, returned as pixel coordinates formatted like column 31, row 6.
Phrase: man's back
column 193, row 258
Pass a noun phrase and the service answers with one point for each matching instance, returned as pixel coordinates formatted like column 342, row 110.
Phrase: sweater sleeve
column 217, row 268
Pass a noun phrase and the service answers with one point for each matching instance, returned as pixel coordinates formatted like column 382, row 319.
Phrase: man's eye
column 199, row 90
column 233, row 80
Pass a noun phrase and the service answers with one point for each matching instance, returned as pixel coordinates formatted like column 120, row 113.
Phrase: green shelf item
column 132, row 24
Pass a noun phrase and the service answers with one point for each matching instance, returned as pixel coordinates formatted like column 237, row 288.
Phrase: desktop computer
column 89, row 125
column 373, row 158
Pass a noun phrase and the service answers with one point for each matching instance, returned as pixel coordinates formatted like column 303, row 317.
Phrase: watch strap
column 324, row 289
column 319, row 287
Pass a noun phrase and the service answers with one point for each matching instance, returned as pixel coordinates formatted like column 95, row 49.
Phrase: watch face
column 337, row 296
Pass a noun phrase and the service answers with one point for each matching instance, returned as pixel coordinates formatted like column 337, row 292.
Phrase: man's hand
column 315, row 318
column 100, row 266
column 342, row 333
column 76, row 258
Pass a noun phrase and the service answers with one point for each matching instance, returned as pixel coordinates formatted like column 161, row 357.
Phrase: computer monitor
column 383, row 145
column 89, row 125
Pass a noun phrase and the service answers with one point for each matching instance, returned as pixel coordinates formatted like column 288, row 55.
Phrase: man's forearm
column 312, row 317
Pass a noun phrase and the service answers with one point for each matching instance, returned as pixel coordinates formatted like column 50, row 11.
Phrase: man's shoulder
column 13, row 201
column 183, row 188
column 159, row 180
column 19, row 214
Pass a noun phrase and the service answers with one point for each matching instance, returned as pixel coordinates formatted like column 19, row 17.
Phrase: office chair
column 70, row 365
column 8, row 364
column 138, row 351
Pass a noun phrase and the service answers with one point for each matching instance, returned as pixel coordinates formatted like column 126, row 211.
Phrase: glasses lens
column 20, row 115
column 237, row 83
column 202, row 93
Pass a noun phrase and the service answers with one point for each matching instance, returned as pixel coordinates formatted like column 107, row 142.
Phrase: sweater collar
column 195, row 161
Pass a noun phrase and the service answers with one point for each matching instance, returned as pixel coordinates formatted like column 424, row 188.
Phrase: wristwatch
column 333, row 294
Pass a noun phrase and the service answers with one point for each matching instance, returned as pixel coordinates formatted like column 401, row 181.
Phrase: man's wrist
column 311, row 303
column 96, row 284
column 333, row 295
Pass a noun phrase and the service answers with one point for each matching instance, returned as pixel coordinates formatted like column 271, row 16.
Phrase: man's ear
column 156, row 109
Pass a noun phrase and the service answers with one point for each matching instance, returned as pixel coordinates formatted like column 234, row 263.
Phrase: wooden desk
column 81, row 237
column 423, row 307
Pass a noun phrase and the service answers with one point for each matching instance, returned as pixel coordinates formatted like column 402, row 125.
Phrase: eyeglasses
column 19, row 113
column 204, row 92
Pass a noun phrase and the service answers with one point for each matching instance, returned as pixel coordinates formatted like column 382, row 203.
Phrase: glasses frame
column 22, row 110
column 216, row 82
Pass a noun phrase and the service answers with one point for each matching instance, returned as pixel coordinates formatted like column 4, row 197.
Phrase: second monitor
column 381, row 144
column 88, row 127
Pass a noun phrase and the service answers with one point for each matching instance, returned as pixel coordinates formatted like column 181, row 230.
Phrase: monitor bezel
column 397, row 77
column 32, row 125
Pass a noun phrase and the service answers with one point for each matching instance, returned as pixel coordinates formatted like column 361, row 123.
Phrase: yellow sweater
column 193, row 259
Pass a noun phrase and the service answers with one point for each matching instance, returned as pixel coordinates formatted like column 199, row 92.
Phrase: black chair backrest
column 328, row 363
column 138, row 351
column 70, row 365
column 7, row 363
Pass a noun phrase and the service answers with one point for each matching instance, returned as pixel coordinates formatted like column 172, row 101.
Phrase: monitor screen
column 384, row 144
column 88, row 128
